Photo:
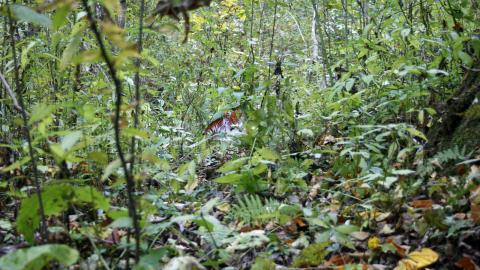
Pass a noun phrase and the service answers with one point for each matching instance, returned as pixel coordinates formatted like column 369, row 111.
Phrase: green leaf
column 70, row 140
column 134, row 132
column 349, row 84
column 417, row 133
column 232, row 165
column 56, row 199
column 229, row 179
column 347, row 229
column 40, row 111
column 122, row 222
column 466, row 58
column 27, row 14
column 151, row 261
column 16, row 164
column 35, row 258
column 70, row 51
column 111, row 168
column 60, row 18
column 268, row 154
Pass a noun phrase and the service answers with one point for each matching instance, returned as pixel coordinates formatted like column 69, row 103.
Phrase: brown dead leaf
column 339, row 260
column 466, row 263
column 422, row 204
column 400, row 250
column 475, row 212
column 461, row 169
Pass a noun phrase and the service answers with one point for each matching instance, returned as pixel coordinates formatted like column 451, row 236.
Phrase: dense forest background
column 239, row 134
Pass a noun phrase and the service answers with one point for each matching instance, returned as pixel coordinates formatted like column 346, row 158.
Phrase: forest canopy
column 239, row 134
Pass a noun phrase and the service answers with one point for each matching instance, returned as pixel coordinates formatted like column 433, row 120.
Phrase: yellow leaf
column 406, row 264
column 424, row 257
column 418, row 260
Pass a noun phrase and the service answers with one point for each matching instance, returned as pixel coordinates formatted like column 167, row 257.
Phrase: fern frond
column 251, row 210
column 452, row 154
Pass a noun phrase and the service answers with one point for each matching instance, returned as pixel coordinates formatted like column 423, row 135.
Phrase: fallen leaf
column 475, row 195
column 422, row 204
column 466, row 263
column 400, row 250
column 424, row 257
column 387, row 229
column 418, row 260
column 339, row 260
column 300, row 222
column 475, row 211
column 361, row 236
column 382, row 216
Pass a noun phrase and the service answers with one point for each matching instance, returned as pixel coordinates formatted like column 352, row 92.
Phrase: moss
column 312, row 256
column 263, row 264
column 467, row 134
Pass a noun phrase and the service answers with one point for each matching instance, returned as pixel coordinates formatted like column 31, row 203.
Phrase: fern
column 443, row 157
column 251, row 210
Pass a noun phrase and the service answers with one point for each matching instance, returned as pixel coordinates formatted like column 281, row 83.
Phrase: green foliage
column 251, row 210
column 442, row 158
column 56, row 199
column 312, row 256
column 248, row 173
column 36, row 258
column 330, row 229
column 262, row 263
column 27, row 14
column 336, row 99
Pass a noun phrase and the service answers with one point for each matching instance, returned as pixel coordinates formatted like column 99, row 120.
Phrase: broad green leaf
column 134, row 132
column 60, row 18
column 27, row 14
column 35, row 258
column 122, row 222
column 111, row 168
column 347, row 229
column 70, row 140
column 70, row 51
column 151, row 261
column 56, row 199
column 349, row 84
column 417, row 133
column 230, row 179
column 466, row 58
column 233, row 165
column 268, row 154
column 40, row 111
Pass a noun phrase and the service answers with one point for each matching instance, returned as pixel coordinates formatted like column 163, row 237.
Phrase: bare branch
column 16, row 105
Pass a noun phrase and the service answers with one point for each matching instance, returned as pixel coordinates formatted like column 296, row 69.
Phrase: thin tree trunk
column 122, row 16
column 315, row 44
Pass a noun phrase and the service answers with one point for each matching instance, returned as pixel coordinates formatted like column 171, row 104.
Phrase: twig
column 10, row 93
column 26, row 131
column 116, row 125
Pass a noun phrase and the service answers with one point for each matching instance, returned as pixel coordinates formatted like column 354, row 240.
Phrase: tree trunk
column 452, row 123
column 122, row 14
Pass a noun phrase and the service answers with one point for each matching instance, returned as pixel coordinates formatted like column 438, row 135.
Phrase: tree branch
column 116, row 125
column 11, row 93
